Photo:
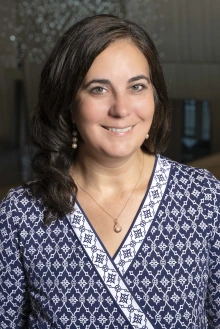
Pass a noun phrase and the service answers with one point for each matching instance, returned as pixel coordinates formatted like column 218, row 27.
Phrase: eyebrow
column 139, row 77
column 107, row 82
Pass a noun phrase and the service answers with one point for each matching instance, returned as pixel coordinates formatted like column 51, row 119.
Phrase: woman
column 110, row 234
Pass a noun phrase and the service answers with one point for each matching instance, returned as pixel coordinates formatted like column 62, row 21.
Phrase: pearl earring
column 147, row 136
column 74, row 139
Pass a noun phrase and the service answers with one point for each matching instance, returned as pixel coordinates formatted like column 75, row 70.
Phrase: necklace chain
column 117, row 227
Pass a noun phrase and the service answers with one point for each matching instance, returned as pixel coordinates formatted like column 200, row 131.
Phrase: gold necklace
column 117, row 227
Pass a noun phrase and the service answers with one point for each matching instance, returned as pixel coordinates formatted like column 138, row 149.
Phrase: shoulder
column 195, row 188
column 196, row 192
column 192, row 175
column 20, row 206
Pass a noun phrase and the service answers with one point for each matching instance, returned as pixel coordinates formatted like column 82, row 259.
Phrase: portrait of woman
column 111, row 233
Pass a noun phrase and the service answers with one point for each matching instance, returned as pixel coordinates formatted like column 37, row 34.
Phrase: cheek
column 86, row 115
column 146, row 109
column 91, row 111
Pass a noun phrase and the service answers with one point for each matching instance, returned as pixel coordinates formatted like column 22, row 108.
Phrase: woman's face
column 115, row 103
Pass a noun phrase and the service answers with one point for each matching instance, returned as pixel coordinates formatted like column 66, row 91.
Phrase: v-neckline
column 112, row 270
column 138, row 211
column 98, row 237
column 157, row 168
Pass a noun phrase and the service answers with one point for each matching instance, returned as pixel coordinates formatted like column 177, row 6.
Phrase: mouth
column 118, row 130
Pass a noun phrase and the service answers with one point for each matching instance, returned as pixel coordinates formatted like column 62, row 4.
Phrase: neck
column 110, row 178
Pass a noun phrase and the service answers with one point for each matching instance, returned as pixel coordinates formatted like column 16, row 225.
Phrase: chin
column 121, row 153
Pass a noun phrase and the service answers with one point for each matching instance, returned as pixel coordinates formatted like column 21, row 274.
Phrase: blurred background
column 186, row 34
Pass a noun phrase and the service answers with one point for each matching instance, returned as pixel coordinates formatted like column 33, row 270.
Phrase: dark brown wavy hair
column 61, row 78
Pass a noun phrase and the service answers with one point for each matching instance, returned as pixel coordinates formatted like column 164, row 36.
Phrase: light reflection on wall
column 149, row 15
column 34, row 26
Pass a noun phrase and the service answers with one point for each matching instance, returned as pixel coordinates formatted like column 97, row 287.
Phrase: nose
column 120, row 106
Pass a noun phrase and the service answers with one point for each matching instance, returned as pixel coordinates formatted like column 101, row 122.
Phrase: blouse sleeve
column 13, row 287
column 213, row 294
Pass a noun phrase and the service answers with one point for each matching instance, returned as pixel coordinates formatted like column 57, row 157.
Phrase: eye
column 98, row 90
column 138, row 87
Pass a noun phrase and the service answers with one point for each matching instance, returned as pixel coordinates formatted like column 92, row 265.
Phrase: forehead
column 121, row 56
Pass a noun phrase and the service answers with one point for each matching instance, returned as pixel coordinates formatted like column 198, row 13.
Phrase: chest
column 161, row 262
column 106, row 218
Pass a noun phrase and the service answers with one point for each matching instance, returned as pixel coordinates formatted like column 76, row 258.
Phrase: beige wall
column 191, row 45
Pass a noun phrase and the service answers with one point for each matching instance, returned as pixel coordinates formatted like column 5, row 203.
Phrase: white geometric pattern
column 145, row 217
column 177, row 271
column 108, row 272
column 61, row 276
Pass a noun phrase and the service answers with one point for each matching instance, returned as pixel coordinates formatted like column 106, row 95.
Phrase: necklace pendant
column 117, row 227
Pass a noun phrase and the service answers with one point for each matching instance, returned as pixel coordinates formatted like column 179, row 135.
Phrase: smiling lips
column 119, row 130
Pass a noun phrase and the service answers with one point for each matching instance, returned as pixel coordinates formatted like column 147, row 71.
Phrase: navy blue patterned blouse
column 165, row 274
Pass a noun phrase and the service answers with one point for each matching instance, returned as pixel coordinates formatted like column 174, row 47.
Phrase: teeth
column 120, row 130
